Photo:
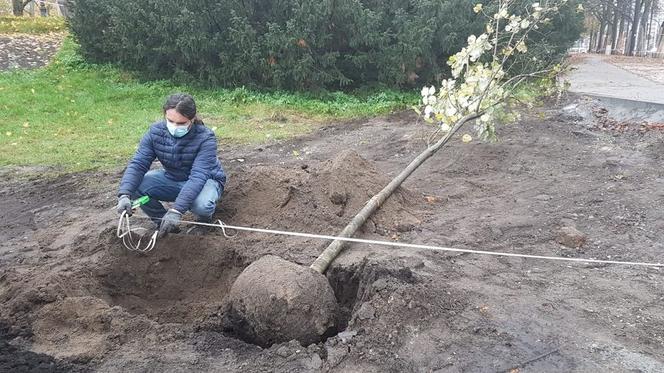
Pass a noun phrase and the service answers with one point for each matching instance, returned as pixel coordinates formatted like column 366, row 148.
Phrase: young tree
column 477, row 91
column 481, row 81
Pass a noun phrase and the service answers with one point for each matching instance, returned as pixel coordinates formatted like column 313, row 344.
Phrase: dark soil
column 18, row 360
column 72, row 296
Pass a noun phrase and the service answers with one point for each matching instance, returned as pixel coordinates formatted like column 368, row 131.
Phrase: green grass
column 31, row 25
column 76, row 116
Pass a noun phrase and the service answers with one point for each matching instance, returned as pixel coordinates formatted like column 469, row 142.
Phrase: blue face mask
column 175, row 130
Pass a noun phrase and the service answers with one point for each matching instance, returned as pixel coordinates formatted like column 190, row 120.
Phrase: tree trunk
column 600, row 37
column 591, row 43
column 660, row 39
column 614, row 30
column 607, row 37
column 43, row 10
column 609, row 8
column 619, row 38
column 640, row 45
column 18, row 6
column 332, row 251
column 625, row 21
column 635, row 27
column 653, row 9
column 651, row 38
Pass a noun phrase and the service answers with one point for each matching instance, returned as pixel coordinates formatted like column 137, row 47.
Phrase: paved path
column 23, row 51
column 595, row 77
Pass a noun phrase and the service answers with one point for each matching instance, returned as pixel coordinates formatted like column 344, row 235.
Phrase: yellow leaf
column 466, row 138
column 8, row 133
column 26, row 125
column 33, row 91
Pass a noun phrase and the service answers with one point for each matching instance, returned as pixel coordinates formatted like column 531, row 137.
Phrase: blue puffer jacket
column 192, row 157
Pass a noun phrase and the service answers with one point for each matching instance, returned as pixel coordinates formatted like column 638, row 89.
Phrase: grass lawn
column 77, row 116
column 31, row 25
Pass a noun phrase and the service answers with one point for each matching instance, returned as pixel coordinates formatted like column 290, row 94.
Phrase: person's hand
column 124, row 204
column 169, row 222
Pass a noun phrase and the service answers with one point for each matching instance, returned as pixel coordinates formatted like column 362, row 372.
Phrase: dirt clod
column 274, row 300
column 366, row 312
column 570, row 237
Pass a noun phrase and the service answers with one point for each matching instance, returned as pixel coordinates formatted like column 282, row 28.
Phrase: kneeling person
column 192, row 176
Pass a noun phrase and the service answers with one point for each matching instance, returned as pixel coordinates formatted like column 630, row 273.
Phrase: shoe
column 200, row 230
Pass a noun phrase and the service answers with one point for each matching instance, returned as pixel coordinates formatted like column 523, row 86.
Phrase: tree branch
column 332, row 251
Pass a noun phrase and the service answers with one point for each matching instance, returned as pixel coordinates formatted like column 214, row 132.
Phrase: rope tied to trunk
column 226, row 227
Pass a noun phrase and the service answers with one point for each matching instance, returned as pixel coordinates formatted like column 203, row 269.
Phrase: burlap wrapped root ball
column 274, row 300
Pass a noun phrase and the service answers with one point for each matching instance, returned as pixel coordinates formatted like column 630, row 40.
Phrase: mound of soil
column 319, row 198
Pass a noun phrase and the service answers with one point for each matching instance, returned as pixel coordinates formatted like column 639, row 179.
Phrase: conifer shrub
column 285, row 44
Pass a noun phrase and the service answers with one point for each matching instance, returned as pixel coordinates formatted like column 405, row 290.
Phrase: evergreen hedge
column 286, row 44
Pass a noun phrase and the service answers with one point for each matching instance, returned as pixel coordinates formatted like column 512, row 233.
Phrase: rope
column 125, row 231
column 224, row 227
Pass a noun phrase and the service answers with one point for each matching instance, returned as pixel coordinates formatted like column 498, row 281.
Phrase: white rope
column 125, row 231
column 224, row 226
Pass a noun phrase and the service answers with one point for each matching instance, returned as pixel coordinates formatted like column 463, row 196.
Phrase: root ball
column 274, row 300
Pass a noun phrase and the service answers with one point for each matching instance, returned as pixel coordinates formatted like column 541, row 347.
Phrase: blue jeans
column 160, row 188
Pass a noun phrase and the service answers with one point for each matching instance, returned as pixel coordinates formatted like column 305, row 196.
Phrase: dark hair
column 183, row 104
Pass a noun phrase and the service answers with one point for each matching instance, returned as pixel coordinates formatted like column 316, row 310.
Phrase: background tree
column 18, row 6
column 628, row 26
